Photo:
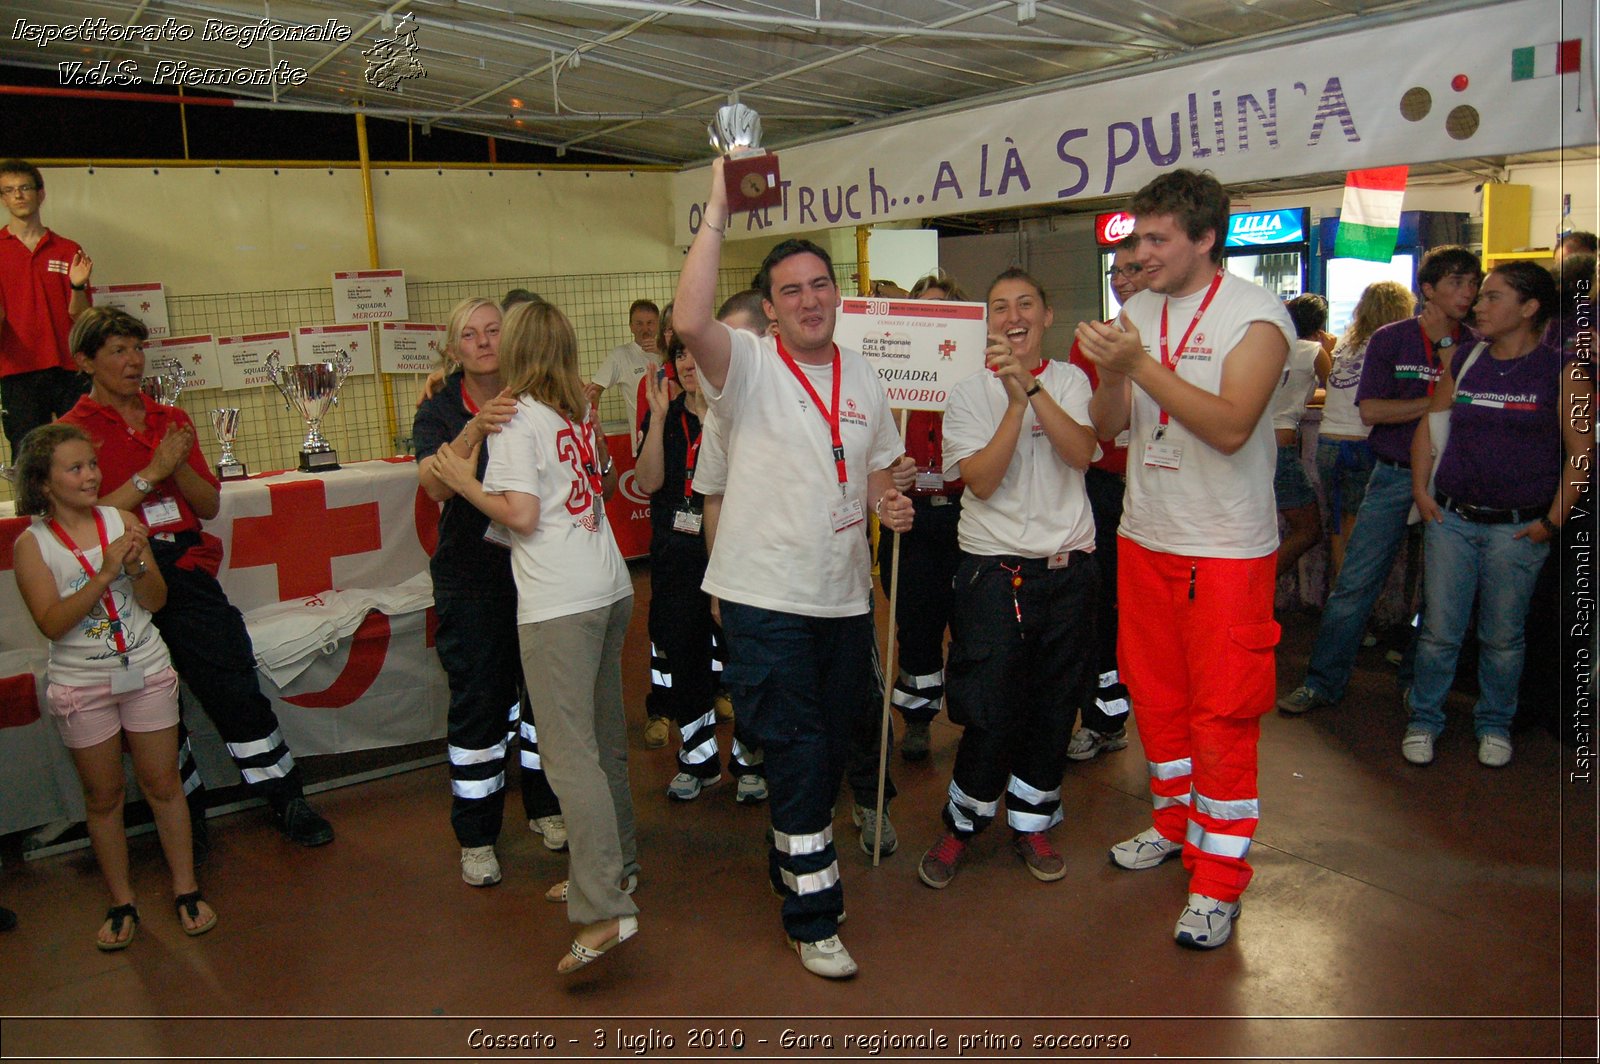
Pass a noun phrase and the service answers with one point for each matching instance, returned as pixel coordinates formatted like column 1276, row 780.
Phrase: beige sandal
column 627, row 927
column 558, row 893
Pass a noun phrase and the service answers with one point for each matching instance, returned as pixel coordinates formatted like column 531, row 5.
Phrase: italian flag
column 1546, row 60
column 1369, row 221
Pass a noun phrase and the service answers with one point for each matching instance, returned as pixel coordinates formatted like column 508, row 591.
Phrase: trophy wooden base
column 318, row 461
column 232, row 471
column 752, row 181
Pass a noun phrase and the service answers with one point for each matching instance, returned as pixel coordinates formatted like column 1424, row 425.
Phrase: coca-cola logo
column 1112, row 228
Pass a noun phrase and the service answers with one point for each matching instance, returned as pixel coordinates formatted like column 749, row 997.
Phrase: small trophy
column 165, row 381
column 225, row 422
column 750, row 173
column 311, row 388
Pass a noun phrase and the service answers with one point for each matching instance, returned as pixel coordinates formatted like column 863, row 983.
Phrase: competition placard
column 147, row 302
column 409, row 347
column 197, row 355
column 242, row 360
column 322, row 343
column 920, row 347
column 369, row 295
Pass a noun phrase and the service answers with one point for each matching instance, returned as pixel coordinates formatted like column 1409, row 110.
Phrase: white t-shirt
column 782, row 552
column 570, row 564
column 711, row 461
column 87, row 654
column 1296, row 386
column 1040, row 507
column 626, row 365
column 1339, row 414
column 1213, row 505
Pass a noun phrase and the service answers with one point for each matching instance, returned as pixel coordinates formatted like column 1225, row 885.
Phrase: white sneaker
column 1086, row 743
column 752, row 789
column 1145, row 850
column 1494, row 751
column 553, row 828
column 1206, row 923
column 826, row 957
column 1417, row 746
column 686, row 788
column 479, row 866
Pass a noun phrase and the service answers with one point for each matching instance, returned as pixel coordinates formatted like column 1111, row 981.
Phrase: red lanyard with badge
column 127, row 678
column 686, row 518
column 848, row 512
column 1160, row 455
column 584, row 442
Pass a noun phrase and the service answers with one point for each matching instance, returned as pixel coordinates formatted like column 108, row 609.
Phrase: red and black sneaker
column 1040, row 857
column 938, row 865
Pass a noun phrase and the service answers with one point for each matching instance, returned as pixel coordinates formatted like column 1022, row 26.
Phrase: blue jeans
column 1369, row 555
column 1461, row 560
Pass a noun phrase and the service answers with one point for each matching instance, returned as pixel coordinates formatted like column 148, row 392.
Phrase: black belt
column 1406, row 466
column 1484, row 515
column 1034, row 564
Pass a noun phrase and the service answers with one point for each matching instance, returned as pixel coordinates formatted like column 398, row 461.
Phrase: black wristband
column 77, row 287
column 1031, row 392
column 1549, row 525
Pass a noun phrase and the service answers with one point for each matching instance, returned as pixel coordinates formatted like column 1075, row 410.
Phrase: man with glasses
column 44, row 286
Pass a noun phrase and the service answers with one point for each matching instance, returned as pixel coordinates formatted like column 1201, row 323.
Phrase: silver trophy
column 225, row 421
column 165, row 380
column 749, row 173
column 311, row 388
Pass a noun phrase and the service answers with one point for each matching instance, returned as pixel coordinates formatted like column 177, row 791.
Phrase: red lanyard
column 692, row 456
column 585, row 443
column 466, row 400
column 1432, row 350
column 1170, row 359
column 829, row 416
column 111, row 606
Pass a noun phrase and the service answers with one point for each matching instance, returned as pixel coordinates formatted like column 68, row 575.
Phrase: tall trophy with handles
column 750, row 172
column 225, row 423
column 165, row 380
column 310, row 388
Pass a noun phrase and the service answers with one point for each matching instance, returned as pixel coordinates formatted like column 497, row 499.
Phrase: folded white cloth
column 288, row 636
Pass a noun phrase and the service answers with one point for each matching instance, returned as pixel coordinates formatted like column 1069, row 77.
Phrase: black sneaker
column 303, row 824
column 8, row 919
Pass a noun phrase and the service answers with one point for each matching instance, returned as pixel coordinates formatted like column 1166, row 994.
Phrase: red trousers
column 1196, row 646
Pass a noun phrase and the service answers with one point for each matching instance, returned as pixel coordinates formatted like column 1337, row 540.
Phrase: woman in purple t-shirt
column 1498, row 497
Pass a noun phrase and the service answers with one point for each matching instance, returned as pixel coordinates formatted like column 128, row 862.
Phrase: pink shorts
column 88, row 716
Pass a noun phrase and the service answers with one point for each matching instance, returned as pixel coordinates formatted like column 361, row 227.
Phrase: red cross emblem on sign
column 946, row 349
column 388, row 291
column 302, row 536
column 144, row 307
column 198, row 358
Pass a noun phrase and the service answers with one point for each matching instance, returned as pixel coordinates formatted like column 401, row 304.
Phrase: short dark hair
column 747, row 302
column 98, row 324
column 34, row 455
column 643, row 304
column 785, row 250
column 1440, row 262
column 22, row 166
column 1127, row 243
column 1531, row 281
column 1309, row 312
column 1194, row 198
column 1580, row 243
column 1017, row 273
column 520, row 295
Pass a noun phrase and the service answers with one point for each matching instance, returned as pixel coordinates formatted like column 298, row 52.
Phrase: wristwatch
column 77, row 287
column 1549, row 525
column 610, row 464
column 142, row 484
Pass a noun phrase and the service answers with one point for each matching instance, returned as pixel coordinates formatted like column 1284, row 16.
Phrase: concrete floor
column 1440, row 913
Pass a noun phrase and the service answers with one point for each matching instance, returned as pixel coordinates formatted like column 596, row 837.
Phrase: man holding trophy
column 151, row 465
column 810, row 440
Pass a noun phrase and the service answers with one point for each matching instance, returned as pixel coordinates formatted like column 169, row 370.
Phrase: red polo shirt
column 122, row 452
column 35, row 293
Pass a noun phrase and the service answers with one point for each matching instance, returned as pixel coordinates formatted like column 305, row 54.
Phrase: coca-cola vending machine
column 1109, row 230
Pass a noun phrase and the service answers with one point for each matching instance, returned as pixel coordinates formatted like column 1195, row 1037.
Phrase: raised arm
column 694, row 308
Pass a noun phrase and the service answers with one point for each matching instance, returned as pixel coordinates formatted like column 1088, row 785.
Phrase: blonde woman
column 545, row 481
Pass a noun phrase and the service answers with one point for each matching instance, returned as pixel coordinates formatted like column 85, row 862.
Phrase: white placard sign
column 197, row 355
column 369, row 295
column 147, row 302
column 242, row 360
column 323, row 343
column 919, row 347
column 408, row 347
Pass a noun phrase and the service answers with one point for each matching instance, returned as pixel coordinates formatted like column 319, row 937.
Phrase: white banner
column 409, row 347
column 147, row 302
column 197, row 355
column 920, row 347
column 242, row 360
column 1434, row 89
column 323, row 343
column 369, row 295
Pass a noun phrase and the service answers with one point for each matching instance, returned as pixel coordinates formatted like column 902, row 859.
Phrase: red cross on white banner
column 302, row 536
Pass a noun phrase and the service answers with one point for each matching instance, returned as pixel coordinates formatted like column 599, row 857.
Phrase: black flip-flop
column 189, row 904
column 118, row 915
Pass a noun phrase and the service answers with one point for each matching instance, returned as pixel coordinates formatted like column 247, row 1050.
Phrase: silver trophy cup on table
column 164, row 381
column 311, row 388
column 225, row 422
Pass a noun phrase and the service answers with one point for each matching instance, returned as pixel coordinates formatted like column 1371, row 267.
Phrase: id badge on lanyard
column 1160, row 453
column 846, row 512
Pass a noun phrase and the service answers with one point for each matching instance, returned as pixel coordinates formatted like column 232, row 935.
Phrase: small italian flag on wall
column 1546, row 60
column 1369, row 220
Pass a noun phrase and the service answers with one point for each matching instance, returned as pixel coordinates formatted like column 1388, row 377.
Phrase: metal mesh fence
column 359, row 427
